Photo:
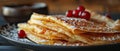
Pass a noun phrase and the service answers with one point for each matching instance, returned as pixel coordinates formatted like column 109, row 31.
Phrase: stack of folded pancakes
column 68, row 31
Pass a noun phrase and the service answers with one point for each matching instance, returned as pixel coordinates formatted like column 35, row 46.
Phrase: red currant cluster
column 79, row 13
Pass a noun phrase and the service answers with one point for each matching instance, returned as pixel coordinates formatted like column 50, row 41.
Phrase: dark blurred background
column 60, row 6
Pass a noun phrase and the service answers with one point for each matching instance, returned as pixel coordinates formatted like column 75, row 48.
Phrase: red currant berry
column 86, row 15
column 81, row 8
column 21, row 34
column 108, row 15
column 69, row 13
column 79, row 14
column 75, row 13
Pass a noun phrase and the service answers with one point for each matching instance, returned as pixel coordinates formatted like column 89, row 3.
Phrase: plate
column 9, row 32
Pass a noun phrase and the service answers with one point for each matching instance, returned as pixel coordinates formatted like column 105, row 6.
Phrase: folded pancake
column 58, row 28
column 42, row 35
column 40, row 40
column 77, row 25
column 100, row 18
column 76, row 28
column 42, row 32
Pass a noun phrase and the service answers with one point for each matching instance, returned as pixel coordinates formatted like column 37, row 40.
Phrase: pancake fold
column 59, row 29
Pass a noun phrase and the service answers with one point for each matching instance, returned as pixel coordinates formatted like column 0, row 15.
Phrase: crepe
column 42, row 35
column 71, row 30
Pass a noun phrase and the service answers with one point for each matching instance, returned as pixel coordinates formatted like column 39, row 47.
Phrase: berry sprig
column 79, row 13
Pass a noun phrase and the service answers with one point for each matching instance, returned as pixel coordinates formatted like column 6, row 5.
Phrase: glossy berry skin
column 21, row 34
column 86, row 15
column 80, row 13
column 76, row 13
column 81, row 8
column 69, row 13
